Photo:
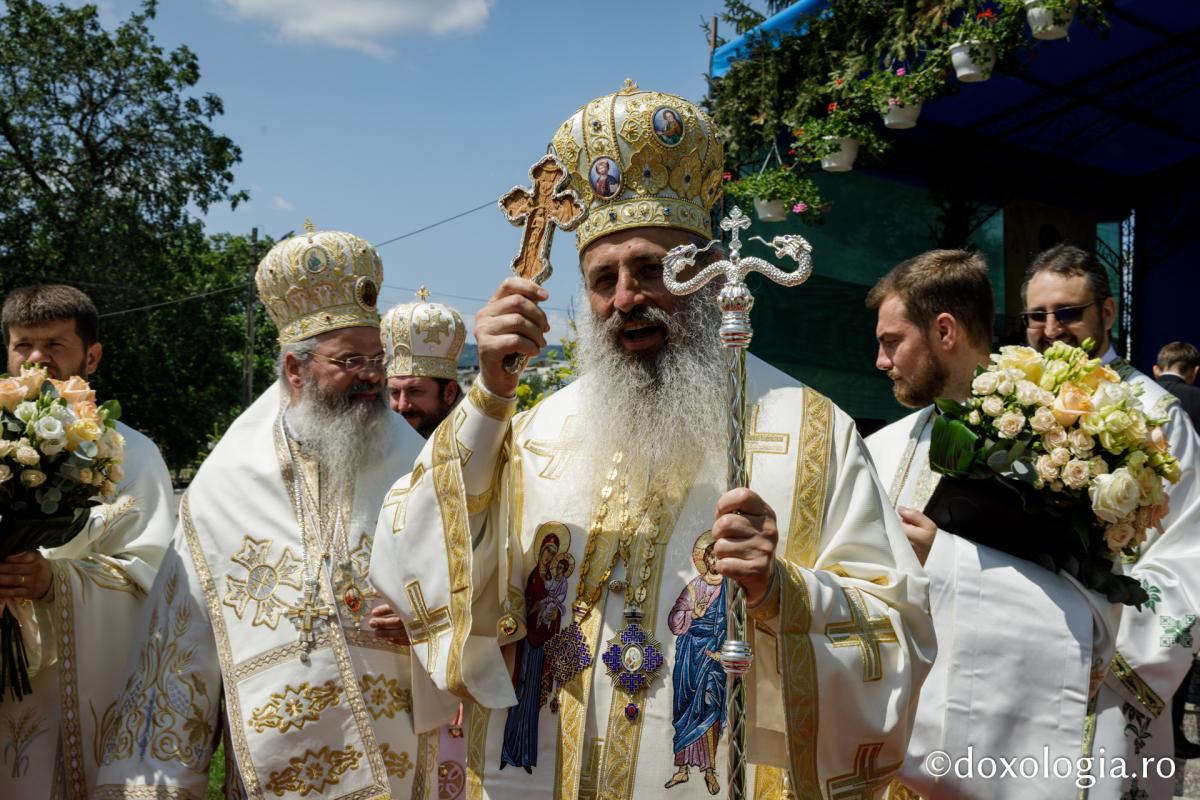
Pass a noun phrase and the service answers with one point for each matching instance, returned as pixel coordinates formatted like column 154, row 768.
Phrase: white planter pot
column 842, row 159
column 966, row 69
column 770, row 210
column 900, row 117
column 1041, row 21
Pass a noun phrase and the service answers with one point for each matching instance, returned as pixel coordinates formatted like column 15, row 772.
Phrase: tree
column 103, row 152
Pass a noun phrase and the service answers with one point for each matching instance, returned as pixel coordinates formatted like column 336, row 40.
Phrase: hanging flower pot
column 900, row 116
column 842, row 159
column 966, row 68
column 1043, row 22
column 770, row 210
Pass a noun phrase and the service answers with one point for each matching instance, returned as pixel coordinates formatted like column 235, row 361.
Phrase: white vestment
column 494, row 516
column 77, row 639
column 1016, row 647
column 224, row 624
column 1155, row 644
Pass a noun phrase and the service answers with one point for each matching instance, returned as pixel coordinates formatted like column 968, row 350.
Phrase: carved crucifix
column 548, row 204
column 311, row 611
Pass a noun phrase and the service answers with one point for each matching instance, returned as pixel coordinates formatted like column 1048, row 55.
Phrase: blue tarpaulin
column 793, row 19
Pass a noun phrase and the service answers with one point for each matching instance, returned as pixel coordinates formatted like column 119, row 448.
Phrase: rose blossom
column 12, row 392
column 993, row 406
column 1055, row 437
column 1073, row 402
column 1010, row 424
column 75, row 390
column 985, row 383
column 1043, row 420
column 1075, row 473
column 1060, row 456
column 1118, row 536
column 5, row 472
column 1098, row 466
column 974, row 417
column 32, row 379
column 1114, row 496
column 1046, row 468
column 1080, row 441
column 26, row 455
column 32, row 477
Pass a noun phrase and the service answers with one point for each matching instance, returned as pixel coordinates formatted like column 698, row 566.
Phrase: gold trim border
column 1129, row 678
column 451, row 499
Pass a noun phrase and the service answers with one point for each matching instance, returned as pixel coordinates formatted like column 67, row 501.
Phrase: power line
column 174, row 302
column 435, row 224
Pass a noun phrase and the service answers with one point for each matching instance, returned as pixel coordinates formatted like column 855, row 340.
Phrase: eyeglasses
column 355, row 363
column 1066, row 315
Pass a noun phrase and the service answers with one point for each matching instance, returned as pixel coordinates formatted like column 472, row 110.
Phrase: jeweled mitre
column 640, row 158
column 320, row 281
column 422, row 339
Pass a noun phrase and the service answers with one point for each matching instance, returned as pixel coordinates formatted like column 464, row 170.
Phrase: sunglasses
column 1066, row 315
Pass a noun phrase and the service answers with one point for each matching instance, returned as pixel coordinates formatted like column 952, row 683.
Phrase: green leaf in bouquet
column 49, row 507
column 48, row 391
column 952, row 447
column 86, row 450
column 112, row 409
column 948, row 405
column 1021, row 470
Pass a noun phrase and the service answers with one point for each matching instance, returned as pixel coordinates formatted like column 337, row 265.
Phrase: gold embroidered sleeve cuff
column 493, row 405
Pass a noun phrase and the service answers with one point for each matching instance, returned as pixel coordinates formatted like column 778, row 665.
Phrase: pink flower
column 728, row 175
column 832, row 107
column 799, row 208
column 893, row 101
column 900, row 73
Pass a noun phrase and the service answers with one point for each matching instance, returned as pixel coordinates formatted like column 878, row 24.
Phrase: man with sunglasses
column 263, row 613
column 1068, row 298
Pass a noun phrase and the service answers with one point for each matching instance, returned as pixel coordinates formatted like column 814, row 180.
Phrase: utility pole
column 251, row 315
column 712, row 45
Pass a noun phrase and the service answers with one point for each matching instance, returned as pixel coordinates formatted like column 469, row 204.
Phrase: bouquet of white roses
column 1053, row 458
column 60, row 454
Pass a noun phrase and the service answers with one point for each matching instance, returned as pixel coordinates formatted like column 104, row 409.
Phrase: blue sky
column 382, row 116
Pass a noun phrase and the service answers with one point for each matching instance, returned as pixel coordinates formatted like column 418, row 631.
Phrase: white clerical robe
column 1017, row 645
column 220, row 637
column 1155, row 644
column 482, row 548
column 78, row 637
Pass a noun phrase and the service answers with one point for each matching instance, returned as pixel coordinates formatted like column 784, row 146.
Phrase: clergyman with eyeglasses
column 1068, row 298
column 263, row 612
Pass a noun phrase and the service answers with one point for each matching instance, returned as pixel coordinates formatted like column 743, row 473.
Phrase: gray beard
column 668, row 413
column 342, row 435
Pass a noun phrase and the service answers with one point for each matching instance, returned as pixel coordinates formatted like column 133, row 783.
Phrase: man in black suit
column 1178, row 364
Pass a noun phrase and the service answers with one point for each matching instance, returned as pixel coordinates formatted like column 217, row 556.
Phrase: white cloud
column 364, row 25
column 282, row 203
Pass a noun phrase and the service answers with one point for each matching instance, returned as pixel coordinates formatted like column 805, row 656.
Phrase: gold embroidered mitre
column 320, row 281
column 639, row 159
column 423, row 339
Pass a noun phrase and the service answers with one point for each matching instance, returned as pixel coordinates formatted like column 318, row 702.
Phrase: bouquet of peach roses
column 60, row 454
column 1053, row 459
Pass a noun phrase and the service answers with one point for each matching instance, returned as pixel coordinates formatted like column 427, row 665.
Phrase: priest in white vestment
column 260, row 621
column 1068, row 298
column 77, row 603
column 561, row 568
column 1017, row 644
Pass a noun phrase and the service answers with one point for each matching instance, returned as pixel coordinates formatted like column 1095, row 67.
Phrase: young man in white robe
column 262, row 621
column 1017, row 644
column 1068, row 298
column 76, row 603
column 616, row 485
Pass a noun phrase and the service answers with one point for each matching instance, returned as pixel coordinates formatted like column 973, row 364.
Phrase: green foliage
column 837, row 70
column 104, row 149
column 216, row 775
column 779, row 183
column 535, row 388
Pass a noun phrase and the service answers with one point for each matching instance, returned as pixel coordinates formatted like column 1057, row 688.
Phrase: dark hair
column 952, row 282
column 1069, row 261
column 442, row 383
column 1181, row 356
column 38, row 304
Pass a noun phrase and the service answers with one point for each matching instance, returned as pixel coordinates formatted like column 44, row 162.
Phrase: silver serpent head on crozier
column 735, row 299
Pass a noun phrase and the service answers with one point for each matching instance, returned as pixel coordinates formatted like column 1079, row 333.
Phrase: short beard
column 924, row 385
column 670, row 408
column 344, row 435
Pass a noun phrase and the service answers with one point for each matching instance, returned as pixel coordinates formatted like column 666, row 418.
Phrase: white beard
column 342, row 435
column 667, row 413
